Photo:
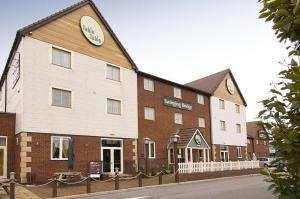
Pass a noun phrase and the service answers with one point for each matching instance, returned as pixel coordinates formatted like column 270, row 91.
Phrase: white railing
column 199, row 167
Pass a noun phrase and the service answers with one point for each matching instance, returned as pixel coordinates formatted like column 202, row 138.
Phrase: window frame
column 61, row 138
column 201, row 118
column 114, row 67
column 65, row 90
column 175, row 118
column 199, row 96
column 239, row 152
column 238, row 128
column 222, row 104
column 62, row 50
column 149, row 149
column 116, row 100
column 149, row 80
column 222, row 122
column 237, row 108
column 175, row 93
column 152, row 108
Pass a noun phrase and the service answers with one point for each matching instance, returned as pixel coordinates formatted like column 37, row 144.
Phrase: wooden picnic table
column 67, row 176
column 4, row 183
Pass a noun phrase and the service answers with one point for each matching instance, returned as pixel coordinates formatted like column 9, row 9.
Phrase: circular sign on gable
column 230, row 86
column 92, row 30
column 198, row 139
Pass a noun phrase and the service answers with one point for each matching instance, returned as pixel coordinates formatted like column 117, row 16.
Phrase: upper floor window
column 61, row 57
column 237, row 108
column 238, row 128
column 200, row 99
column 239, row 151
column 61, row 98
column 222, row 125
column 0, row 94
column 148, row 84
column 221, row 104
column 113, row 73
column 149, row 113
column 150, row 149
column 201, row 122
column 178, row 118
column 59, row 147
column 114, row 106
column 177, row 93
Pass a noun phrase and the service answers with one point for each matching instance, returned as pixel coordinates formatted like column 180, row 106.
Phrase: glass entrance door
column 3, row 156
column 224, row 156
column 112, row 155
column 106, row 160
column 117, row 159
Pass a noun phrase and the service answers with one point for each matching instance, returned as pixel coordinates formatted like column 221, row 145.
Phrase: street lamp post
column 146, row 143
column 175, row 139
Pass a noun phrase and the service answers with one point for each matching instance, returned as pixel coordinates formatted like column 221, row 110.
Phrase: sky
column 177, row 40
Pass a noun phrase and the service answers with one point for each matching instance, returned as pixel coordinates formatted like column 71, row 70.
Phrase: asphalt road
column 242, row 187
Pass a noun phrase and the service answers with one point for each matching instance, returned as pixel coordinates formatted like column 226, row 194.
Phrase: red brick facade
column 7, row 128
column 232, row 153
column 163, row 126
column 259, row 145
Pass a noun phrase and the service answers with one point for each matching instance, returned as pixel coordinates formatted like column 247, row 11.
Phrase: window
column 148, row 85
column 221, row 104
column 61, row 58
column 200, row 99
column 0, row 94
column 149, row 113
column 223, row 125
column 177, row 93
column 114, row 106
column 150, row 149
column 61, row 98
column 201, row 122
column 237, row 108
column 239, row 151
column 248, row 141
column 257, row 142
column 178, row 118
column 59, row 147
column 113, row 73
column 224, row 153
column 238, row 128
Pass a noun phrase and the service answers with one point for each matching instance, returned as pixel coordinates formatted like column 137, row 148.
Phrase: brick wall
column 232, row 153
column 163, row 126
column 7, row 128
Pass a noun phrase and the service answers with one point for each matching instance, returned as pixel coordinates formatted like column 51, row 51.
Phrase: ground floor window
column 239, row 151
column 224, row 153
column 60, row 147
column 150, row 149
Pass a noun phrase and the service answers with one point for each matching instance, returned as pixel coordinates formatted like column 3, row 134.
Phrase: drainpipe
column 5, row 95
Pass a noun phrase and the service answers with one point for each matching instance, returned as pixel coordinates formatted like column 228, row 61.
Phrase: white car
column 268, row 162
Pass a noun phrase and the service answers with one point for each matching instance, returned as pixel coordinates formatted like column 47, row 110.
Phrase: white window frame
column 112, row 66
column 175, row 118
column 113, row 99
column 4, row 157
column 145, row 115
column 221, row 104
column 239, row 152
column 177, row 93
column 237, row 108
column 203, row 119
column 61, row 49
column 238, row 128
column 61, row 89
column 60, row 146
column 200, row 99
column 148, row 84
column 149, row 151
column 221, row 126
column 111, row 153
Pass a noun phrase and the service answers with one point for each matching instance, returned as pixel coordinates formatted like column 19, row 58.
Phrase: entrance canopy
column 192, row 146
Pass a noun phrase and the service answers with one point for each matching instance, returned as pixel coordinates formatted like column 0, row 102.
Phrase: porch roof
column 187, row 139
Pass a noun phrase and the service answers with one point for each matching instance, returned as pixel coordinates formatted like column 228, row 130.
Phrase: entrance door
column 3, row 157
column 112, row 155
column 224, row 156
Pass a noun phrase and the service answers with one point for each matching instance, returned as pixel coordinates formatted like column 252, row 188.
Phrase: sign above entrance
column 198, row 139
column 177, row 104
column 92, row 30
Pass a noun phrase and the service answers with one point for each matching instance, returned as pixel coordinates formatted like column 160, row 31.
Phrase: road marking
column 141, row 197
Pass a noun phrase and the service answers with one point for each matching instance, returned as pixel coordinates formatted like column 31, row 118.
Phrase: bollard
column 117, row 179
column 88, row 185
column 54, row 188
column 12, row 185
column 160, row 178
column 140, row 180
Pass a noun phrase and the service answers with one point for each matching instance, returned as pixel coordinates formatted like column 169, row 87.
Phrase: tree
column 281, row 111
